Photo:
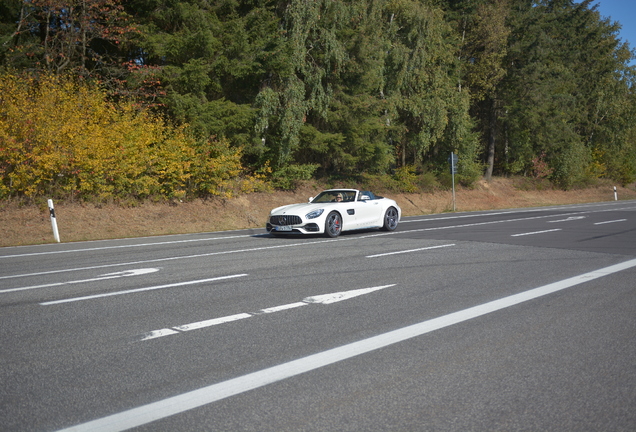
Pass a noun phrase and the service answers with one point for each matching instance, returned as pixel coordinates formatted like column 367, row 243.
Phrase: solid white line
column 177, row 404
column 530, row 210
column 122, row 246
column 410, row 250
column 613, row 221
column 535, row 232
column 158, row 287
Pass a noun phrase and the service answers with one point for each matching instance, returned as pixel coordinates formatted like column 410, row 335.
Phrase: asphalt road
column 504, row 320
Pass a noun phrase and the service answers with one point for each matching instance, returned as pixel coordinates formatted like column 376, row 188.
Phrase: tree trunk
column 492, row 136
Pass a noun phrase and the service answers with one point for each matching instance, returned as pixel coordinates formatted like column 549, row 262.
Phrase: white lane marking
column 212, row 322
column 319, row 299
column 137, row 290
column 301, row 244
column 258, row 249
column 107, row 276
column 264, row 234
column 410, row 250
column 535, row 232
column 612, row 221
column 160, row 333
column 123, row 246
column 178, row 404
column 343, row 295
column 282, row 307
column 571, row 218
column 531, row 210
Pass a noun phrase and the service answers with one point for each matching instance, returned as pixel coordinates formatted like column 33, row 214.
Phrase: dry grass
column 22, row 225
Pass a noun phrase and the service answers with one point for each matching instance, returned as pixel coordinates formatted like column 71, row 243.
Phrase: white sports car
column 333, row 211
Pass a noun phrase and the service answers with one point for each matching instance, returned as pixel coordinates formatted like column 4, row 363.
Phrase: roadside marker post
column 56, row 233
column 453, row 169
column 615, row 194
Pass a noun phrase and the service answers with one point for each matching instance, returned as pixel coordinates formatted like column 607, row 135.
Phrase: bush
column 290, row 176
column 62, row 139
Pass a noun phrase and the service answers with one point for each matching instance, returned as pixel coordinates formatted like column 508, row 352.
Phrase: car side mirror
column 311, row 199
column 365, row 198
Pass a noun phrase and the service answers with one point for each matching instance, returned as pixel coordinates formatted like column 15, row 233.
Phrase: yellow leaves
column 597, row 168
column 62, row 138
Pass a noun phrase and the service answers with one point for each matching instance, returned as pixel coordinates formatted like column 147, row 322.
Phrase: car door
column 367, row 211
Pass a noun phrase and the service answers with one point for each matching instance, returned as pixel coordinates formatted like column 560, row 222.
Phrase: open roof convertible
column 334, row 211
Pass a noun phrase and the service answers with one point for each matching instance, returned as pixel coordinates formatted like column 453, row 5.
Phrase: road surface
column 503, row 320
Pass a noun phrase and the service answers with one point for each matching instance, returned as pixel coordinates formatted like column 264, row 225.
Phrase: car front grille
column 285, row 220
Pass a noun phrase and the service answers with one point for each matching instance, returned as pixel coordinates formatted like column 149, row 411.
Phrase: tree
column 563, row 58
column 57, row 36
column 485, row 44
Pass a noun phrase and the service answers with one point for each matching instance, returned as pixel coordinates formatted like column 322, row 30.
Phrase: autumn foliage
column 62, row 138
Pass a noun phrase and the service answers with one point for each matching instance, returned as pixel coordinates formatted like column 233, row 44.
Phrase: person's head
column 339, row 197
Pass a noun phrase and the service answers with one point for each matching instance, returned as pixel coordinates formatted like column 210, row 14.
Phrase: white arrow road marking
column 152, row 288
column 106, row 276
column 344, row 295
column 281, row 308
column 319, row 299
column 571, row 218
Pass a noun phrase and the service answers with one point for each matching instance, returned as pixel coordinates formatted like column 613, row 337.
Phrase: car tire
column 390, row 219
column 333, row 224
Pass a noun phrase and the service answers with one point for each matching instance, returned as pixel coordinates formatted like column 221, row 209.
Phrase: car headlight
column 314, row 214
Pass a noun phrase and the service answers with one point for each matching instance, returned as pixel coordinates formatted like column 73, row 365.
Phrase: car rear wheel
column 333, row 224
column 390, row 219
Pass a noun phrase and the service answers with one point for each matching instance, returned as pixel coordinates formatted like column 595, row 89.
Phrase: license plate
column 283, row 228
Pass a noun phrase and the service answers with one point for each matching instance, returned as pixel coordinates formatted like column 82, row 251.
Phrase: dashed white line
column 535, row 232
column 212, row 322
column 570, row 219
column 318, row 299
column 410, row 250
column 301, row 244
column 612, row 221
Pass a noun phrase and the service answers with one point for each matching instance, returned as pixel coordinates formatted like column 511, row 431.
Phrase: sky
column 623, row 11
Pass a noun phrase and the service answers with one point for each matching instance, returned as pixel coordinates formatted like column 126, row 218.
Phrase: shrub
column 288, row 177
column 62, row 138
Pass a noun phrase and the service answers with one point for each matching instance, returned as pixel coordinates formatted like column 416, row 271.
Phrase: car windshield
column 335, row 196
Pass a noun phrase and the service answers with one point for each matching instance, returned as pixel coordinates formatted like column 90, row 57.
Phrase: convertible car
column 334, row 211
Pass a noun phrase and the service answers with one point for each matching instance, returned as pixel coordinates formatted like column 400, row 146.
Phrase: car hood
column 297, row 209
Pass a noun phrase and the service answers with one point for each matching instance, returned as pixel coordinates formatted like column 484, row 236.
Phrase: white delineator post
column 56, row 233
column 615, row 194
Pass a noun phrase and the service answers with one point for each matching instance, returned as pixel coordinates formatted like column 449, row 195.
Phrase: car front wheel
column 390, row 219
column 333, row 225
